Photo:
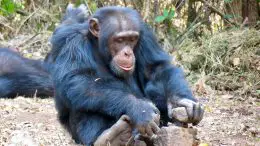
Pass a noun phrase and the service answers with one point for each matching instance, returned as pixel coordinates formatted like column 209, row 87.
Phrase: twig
column 7, row 26
column 188, row 31
column 89, row 10
column 134, row 5
column 19, row 28
column 23, row 13
column 156, row 9
column 125, row 3
column 180, row 4
column 35, row 95
column 26, row 41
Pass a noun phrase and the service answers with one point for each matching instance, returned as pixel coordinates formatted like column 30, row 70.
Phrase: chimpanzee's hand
column 194, row 110
column 146, row 118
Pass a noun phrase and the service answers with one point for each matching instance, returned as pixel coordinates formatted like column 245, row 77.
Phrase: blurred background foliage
column 216, row 42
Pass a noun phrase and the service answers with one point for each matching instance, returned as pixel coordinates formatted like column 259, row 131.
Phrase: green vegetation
column 8, row 7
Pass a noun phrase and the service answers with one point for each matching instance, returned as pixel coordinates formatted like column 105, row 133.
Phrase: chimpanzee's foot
column 118, row 135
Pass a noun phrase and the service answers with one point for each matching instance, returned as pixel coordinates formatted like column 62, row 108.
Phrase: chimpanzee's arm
column 80, row 89
column 86, row 92
column 174, row 82
column 156, row 63
column 177, row 91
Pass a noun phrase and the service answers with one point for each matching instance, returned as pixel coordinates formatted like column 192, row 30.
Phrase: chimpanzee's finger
column 125, row 118
column 141, row 129
column 198, row 114
column 188, row 104
column 156, row 119
column 155, row 127
column 148, row 130
column 180, row 114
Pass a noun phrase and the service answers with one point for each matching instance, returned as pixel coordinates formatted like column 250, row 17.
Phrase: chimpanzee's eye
column 119, row 40
column 132, row 39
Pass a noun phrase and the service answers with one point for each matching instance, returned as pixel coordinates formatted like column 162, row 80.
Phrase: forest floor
column 228, row 120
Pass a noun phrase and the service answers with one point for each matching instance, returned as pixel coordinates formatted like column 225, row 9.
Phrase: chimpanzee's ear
column 94, row 27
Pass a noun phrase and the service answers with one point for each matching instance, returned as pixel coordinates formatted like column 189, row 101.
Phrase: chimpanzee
column 72, row 16
column 112, row 66
column 21, row 76
column 75, row 15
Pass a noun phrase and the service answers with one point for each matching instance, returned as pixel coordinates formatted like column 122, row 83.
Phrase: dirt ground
column 228, row 120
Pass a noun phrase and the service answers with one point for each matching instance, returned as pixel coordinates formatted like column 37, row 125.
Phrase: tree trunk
column 250, row 12
column 234, row 11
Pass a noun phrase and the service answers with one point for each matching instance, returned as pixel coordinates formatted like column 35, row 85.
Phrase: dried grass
column 230, row 59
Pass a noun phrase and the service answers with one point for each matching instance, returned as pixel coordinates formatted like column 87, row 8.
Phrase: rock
column 176, row 136
column 21, row 138
column 180, row 113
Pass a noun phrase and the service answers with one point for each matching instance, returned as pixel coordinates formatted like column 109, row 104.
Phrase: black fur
column 89, row 97
column 21, row 76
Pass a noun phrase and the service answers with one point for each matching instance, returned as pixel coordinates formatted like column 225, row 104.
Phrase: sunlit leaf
column 8, row 6
column 171, row 14
column 207, row 109
column 93, row 6
column 165, row 12
column 39, row 26
column 203, row 144
column 160, row 19
column 78, row 2
column 28, row 55
column 236, row 61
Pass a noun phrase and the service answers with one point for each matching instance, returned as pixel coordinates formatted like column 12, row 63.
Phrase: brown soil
column 228, row 120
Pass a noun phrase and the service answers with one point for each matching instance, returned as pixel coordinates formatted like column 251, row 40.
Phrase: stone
column 176, row 136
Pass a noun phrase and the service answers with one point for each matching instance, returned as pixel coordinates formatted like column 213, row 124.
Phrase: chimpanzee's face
column 120, row 45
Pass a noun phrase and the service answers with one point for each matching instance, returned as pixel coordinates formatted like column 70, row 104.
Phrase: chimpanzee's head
column 117, row 30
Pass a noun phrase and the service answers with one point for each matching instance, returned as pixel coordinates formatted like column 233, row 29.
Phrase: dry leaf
column 236, row 61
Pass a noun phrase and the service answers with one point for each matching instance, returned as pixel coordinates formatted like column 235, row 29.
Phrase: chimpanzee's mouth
column 126, row 68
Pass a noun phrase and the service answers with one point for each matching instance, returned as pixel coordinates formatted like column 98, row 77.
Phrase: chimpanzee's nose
column 128, row 53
